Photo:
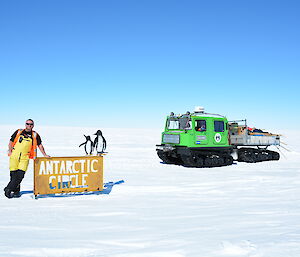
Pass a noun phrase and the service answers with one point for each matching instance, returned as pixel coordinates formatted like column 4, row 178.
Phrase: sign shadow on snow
column 107, row 189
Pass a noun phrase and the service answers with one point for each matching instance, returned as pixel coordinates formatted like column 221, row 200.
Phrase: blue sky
column 130, row 63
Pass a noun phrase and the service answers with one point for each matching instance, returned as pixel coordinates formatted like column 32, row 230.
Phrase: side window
column 219, row 126
column 200, row 125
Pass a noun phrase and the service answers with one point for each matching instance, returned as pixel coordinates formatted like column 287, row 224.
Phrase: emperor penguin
column 99, row 142
column 88, row 145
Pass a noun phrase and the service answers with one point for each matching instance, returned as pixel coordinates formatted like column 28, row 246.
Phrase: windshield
column 179, row 123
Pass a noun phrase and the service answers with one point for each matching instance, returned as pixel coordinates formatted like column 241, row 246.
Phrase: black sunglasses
column 29, row 124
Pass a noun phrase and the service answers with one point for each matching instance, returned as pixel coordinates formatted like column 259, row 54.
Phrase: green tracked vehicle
column 202, row 139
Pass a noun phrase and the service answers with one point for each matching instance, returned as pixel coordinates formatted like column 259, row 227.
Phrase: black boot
column 16, row 194
column 8, row 193
column 13, row 187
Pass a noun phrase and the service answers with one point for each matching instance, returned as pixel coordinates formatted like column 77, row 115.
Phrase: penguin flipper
column 82, row 144
column 104, row 144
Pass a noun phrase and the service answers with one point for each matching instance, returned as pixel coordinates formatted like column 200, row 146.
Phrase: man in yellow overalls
column 22, row 147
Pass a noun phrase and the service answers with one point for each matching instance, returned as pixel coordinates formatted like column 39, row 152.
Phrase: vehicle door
column 201, row 132
column 219, row 132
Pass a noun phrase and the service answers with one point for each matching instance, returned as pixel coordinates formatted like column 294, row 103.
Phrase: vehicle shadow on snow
column 193, row 167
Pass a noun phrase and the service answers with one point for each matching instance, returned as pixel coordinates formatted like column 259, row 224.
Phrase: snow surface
column 250, row 210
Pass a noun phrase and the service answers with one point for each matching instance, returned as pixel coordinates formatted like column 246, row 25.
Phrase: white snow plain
column 244, row 210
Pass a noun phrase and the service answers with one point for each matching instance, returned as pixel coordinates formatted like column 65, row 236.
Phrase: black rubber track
column 252, row 155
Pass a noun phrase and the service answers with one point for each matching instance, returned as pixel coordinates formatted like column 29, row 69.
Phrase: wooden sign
column 68, row 174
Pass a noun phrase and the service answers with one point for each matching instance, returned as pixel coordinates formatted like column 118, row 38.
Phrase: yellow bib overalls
column 19, row 158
